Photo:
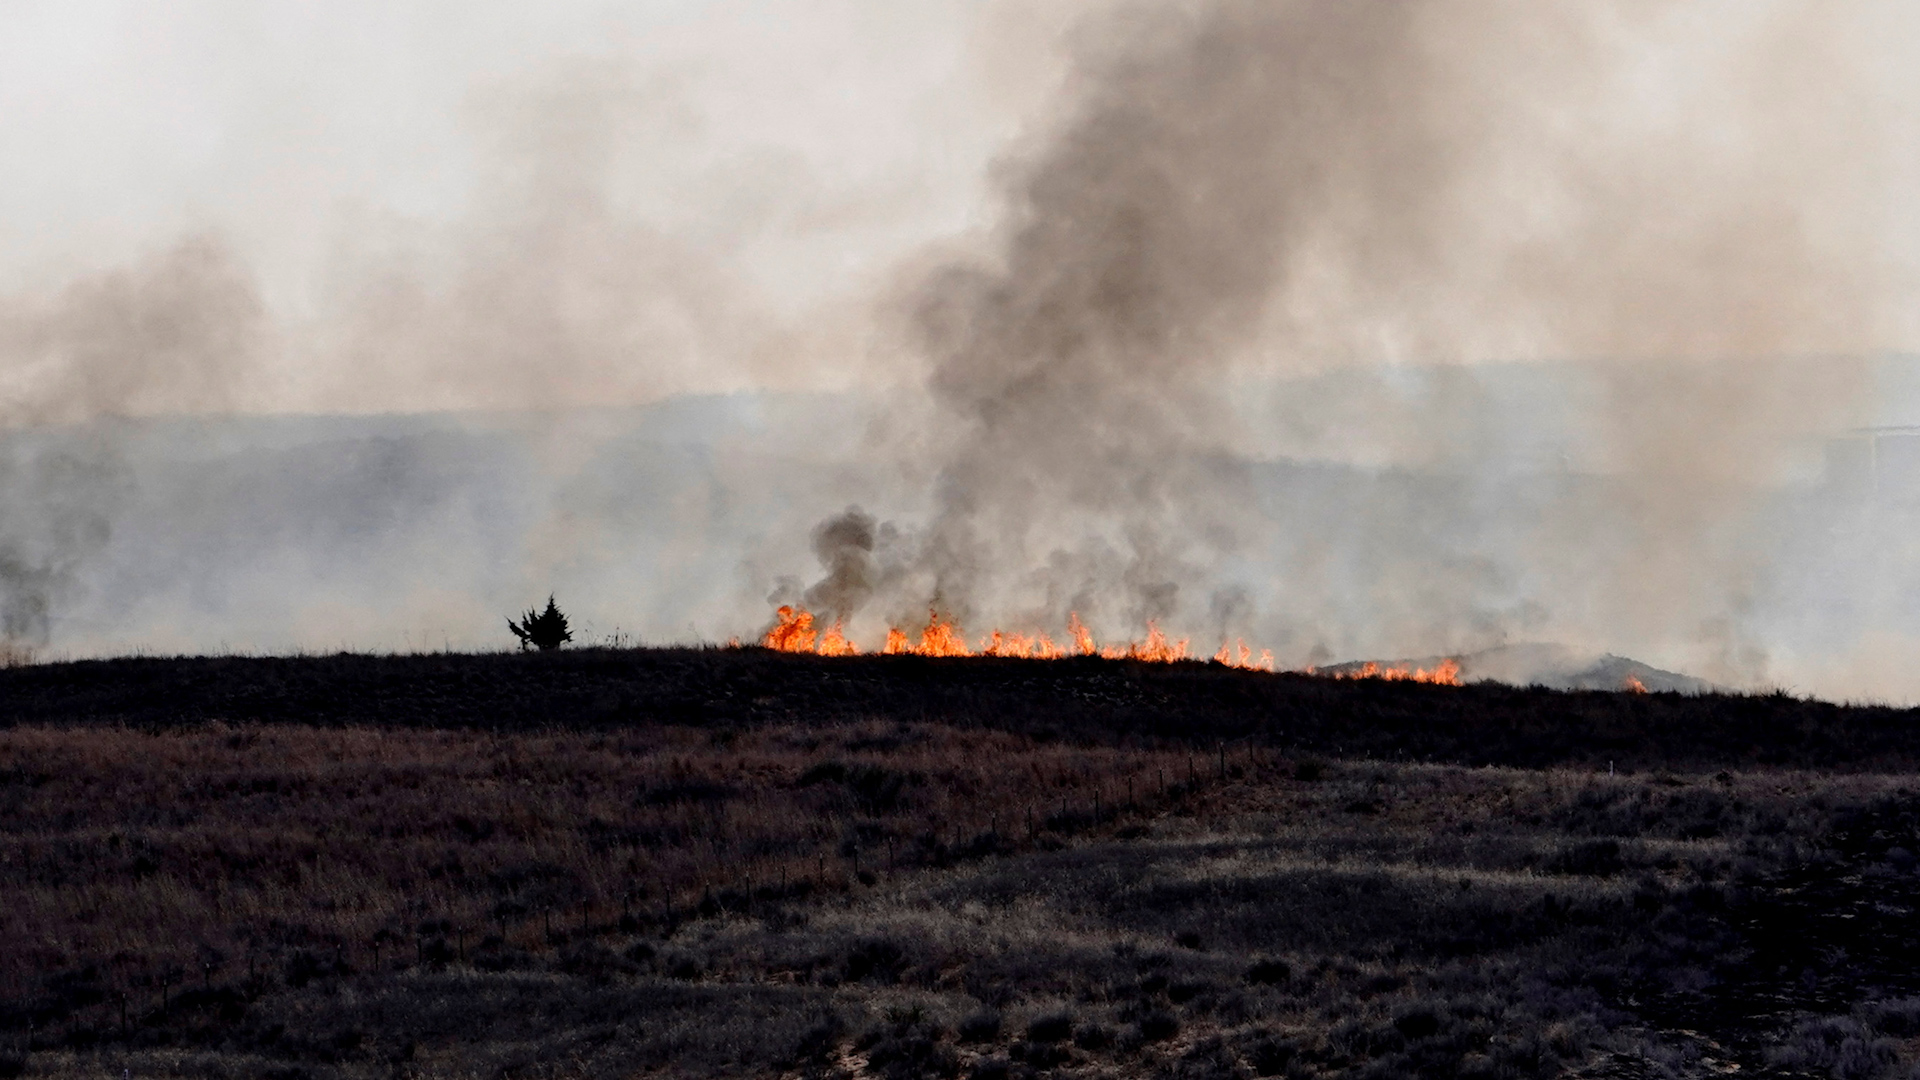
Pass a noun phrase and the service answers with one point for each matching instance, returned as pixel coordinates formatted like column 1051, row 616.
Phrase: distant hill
column 1558, row 667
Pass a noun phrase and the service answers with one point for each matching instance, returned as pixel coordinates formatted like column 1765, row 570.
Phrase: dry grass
column 874, row 898
column 180, row 856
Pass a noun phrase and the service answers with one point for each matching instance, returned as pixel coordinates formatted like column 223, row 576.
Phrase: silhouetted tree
column 543, row 631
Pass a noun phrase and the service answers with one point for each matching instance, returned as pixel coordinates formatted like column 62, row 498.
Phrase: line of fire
column 795, row 631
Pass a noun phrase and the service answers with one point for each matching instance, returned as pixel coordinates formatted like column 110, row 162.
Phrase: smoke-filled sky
column 421, row 196
column 1358, row 330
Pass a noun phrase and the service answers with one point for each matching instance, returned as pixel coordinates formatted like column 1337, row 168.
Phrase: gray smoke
column 178, row 332
column 1355, row 329
column 1287, row 188
column 844, row 546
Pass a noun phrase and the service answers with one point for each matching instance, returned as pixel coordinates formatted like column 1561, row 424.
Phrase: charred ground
column 732, row 862
column 1083, row 699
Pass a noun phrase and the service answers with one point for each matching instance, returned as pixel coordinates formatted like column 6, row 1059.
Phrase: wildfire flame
column 1021, row 646
column 1445, row 673
column 1244, row 658
column 1082, row 637
column 1635, row 686
column 940, row 638
column 1156, row 649
column 793, row 631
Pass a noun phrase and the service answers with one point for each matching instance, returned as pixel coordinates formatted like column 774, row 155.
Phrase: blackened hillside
column 1082, row 700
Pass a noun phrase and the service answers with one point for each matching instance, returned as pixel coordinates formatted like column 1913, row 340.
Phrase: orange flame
column 835, row 643
column 938, row 639
column 1156, row 649
column 1634, row 685
column 1020, row 646
column 794, row 631
column 1246, row 659
column 1082, row 637
column 1445, row 673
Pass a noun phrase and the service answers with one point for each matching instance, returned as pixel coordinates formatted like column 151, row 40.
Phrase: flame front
column 1156, row 649
column 834, row 643
column 940, row 638
column 1245, row 658
column 1021, row 646
column 1445, row 673
column 1082, row 637
column 793, row 631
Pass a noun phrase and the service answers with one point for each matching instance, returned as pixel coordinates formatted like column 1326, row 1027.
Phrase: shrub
column 1838, row 1046
column 816, row 1045
column 909, row 1047
column 981, row 1027
column 1417, row 1023
column 546, row 630
column 875, row 960
column 1271, row 1057
column 1210, row 1059
column 1182, row 992
column 1050, row 1028
column 1158, row 1026
column 1269, row 973
column 1592, row 858
column 1093, row 1037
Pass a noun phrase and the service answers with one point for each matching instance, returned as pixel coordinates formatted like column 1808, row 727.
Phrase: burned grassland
column 737, row 863
column 1079, row 699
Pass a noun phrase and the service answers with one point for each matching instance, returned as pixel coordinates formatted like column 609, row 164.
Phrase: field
column 732, row 862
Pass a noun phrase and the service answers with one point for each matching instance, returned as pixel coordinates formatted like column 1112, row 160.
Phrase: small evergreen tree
column 545, row 630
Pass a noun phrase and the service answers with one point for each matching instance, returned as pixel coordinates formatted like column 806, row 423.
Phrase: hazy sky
column 660, row 197
column 793, row 151
column 1071, row 232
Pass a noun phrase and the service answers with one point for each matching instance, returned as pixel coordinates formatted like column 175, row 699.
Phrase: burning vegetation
column 1445, row 673
column 794, row 630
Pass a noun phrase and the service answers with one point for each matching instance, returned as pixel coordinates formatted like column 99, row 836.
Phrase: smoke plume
column 177, row 333
column 1257, row 188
